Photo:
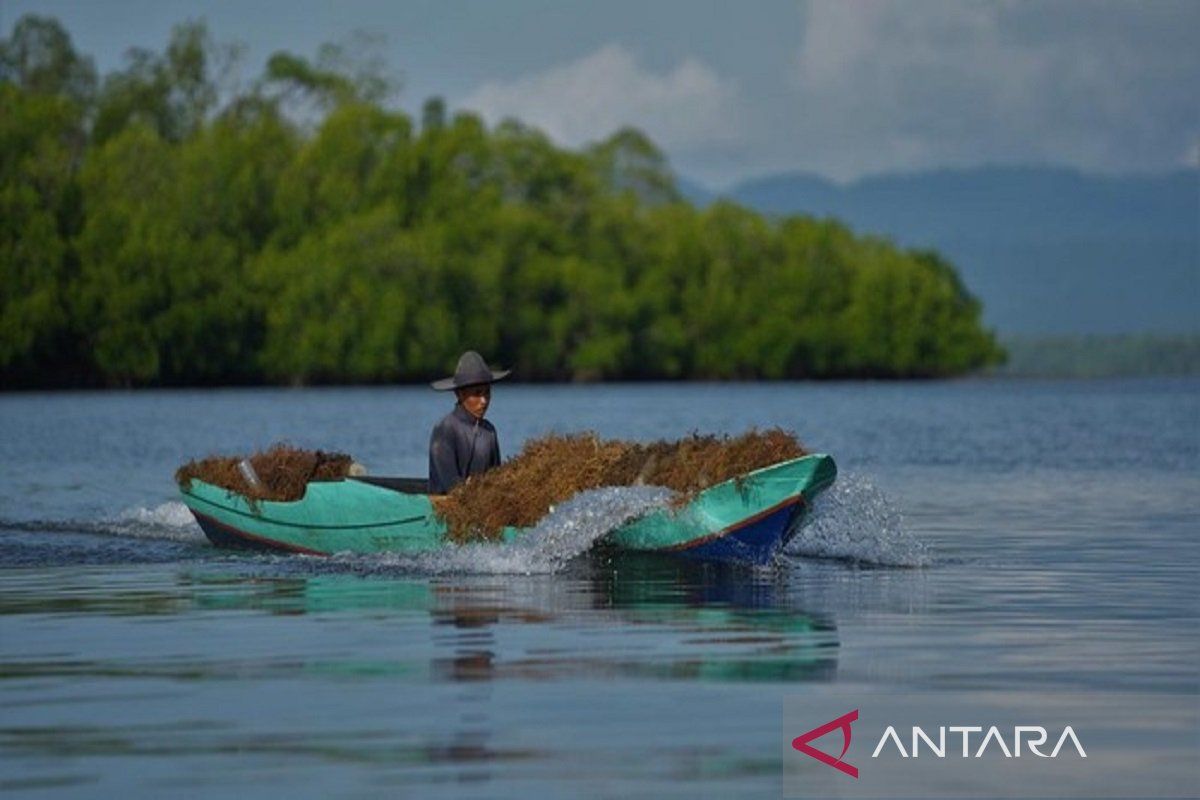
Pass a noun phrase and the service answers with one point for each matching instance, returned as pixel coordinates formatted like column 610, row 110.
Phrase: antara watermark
column 1034, row 737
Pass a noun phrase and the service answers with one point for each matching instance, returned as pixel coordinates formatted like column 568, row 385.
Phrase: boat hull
column 746, row 519
column 756, row 540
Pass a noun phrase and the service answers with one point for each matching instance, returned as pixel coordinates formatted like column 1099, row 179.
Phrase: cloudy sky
column 841, row 88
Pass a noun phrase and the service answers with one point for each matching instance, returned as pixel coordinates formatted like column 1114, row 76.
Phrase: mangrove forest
column 167, row 224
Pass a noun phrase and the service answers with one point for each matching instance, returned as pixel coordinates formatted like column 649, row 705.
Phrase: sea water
column 1015, row 539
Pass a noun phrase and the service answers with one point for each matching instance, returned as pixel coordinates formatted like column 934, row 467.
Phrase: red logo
column 801, row 743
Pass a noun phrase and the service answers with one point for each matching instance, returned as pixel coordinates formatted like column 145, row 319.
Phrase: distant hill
column 1047, row 250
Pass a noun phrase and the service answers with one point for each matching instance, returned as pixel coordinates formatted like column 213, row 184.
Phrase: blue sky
column 840, row 88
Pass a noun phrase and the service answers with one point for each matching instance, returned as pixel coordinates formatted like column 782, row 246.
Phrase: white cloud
column 889, row 85
column 588, row 99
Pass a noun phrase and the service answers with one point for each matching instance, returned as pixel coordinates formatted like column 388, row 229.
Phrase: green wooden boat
column 748, row 518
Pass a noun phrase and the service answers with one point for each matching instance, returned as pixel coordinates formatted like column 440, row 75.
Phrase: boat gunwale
column 303, row 497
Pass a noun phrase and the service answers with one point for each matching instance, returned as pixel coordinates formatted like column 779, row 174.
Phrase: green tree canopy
column 40, row 58
column 159, row 230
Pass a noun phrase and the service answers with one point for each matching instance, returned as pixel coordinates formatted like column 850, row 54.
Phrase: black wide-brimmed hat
column 472, row 370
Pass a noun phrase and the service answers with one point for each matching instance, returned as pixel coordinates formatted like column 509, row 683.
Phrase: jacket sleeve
column 443, row 461
column 494, row 456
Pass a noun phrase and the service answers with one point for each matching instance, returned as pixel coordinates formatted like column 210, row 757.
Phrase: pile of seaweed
column 551, row 469
column 282, row 471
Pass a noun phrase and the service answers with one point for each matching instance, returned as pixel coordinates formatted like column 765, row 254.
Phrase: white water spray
column 569, row 530
column 853, row 520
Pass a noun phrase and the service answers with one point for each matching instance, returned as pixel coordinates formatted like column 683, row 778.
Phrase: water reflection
column 403, row 670
column 609, row 615
column 613, row 615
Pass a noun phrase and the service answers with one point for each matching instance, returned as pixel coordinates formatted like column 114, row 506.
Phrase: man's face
column 475, row 399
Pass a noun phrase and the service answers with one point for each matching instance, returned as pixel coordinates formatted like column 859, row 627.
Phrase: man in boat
column 464, row 443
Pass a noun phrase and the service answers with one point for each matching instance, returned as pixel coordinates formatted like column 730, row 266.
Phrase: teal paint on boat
column 747, row 518
column 720, row 510
column 332, row 517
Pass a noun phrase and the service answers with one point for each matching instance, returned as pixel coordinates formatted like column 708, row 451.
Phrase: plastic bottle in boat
column 250, row 476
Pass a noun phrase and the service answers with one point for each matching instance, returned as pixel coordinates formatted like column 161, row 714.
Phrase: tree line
column 161, row 227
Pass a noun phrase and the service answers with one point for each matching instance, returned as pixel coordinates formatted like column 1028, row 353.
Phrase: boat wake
column 169, row 521
column 569, row 530
column 853, row 520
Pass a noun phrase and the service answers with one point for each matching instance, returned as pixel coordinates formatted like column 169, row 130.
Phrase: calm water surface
column 1019, row 537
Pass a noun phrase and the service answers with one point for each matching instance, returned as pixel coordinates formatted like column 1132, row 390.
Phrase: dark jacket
column 461, row 446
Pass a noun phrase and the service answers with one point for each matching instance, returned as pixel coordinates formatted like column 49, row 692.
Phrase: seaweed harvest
column 551, row 469
column 548, row 471
column 282, row 472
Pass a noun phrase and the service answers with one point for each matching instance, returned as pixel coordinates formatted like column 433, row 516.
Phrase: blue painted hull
column 755, row 541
